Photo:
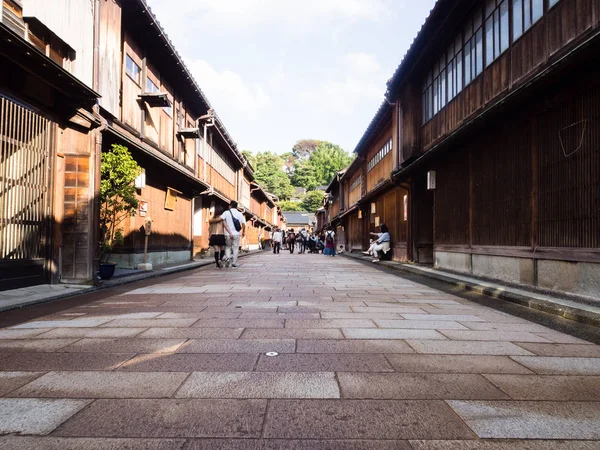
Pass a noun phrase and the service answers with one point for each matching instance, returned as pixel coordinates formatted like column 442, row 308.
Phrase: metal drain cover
column 272, row 354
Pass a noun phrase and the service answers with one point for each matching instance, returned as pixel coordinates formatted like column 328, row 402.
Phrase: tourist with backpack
column 291, row 240
column 237, row 227
column 217, row 228
column 329, row 242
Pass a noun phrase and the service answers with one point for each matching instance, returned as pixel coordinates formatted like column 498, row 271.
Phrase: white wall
column 73, row 22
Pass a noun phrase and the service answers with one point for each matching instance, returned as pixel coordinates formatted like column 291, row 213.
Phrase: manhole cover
column 272, row 354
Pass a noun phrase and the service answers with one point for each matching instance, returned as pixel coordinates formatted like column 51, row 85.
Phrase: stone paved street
column 366, row 360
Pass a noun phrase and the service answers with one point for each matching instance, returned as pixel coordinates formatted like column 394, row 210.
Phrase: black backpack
column 236, row 223
column 329, row 237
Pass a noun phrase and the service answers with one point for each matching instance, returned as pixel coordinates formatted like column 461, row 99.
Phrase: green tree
column 327, row 160
column 304, row 148
column 318, row 170
column 268, row 172
column 118, row 197
column 250, row 157
column 313, row 201
column 290, row 206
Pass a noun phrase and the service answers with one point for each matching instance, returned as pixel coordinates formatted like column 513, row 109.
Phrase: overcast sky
column 277, row 71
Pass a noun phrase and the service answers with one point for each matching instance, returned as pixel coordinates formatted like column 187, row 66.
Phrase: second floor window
column 151, row 88
column 525, row 14
column 132, row 69
column 496, row 29
column 473, row 49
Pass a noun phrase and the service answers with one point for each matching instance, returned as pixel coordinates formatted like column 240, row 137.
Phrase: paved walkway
column 363, row 360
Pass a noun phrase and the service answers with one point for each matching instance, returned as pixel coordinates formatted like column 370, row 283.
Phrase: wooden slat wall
column 354, row 233
column 110, row 57
column 501, row 174
column 568, row 138
column 566, row 21
column 220, row 184
column 170, row 229
column 383, row 170
column 356, row 194
column 452, row 200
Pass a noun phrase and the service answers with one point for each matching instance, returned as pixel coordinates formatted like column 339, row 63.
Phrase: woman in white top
column 381, row 243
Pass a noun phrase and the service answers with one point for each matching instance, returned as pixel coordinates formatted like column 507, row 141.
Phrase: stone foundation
column 131, row 260
column 578, row 278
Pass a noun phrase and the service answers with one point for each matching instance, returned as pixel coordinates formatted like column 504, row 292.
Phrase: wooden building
column 47, row 149
column 495, row 121
column 75, row 78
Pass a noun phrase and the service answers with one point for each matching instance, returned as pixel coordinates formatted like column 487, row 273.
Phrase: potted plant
column 118, row 201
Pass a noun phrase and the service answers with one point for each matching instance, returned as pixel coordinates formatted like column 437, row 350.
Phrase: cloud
column 363, row 82
column 227, row 90
column 239, row 16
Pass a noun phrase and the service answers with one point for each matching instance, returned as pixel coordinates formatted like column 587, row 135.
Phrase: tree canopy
column 321, row 167
column 290, row 206
column 313, row 201
column 268, row 172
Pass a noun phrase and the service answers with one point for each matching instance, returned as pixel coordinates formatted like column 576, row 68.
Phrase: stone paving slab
column 324, row 363
column 292, row 333
column 103, row 385
column 260, row 385
column 44, row 362
column 193, row 362
column 345, row 444
column 428, row 386
column 512, row 336
column 467, row 348
column 240, row 323
column 150, row 323
column 353, row 346
column 134, row 345
column 493, row 326
column 35, row 415
column 366, row 333
column 77, row 323
column 560, row 366
column 567, row 350
column 549, row 387
column 54, row 443
column 363, row 419
column 91, row 333
column 9, row 381
column 456, row 364
column 561, row 338
column 192, row 333
column 168, row 419
column 330, row 323
column 530, row 420
column 238, row 346
column 419, row 324
column 452, row 317
column 505, row 445
column 34, row 345
column 22, row 334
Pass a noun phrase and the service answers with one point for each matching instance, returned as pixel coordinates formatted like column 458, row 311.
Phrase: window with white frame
column 473, row 49
column 376, row 159
column 526, row 13
column 151, row 88
column 132, row 69
column 496, row 29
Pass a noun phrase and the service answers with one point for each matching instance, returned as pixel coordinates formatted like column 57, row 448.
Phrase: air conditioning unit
column 431, row 180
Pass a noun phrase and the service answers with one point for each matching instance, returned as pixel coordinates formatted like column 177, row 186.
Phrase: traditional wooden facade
column 47, row 149
column 498, row 102
column 151, row 104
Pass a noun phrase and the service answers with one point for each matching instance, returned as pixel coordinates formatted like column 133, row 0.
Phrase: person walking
column 217, row 228
column 329, row 242
column 291, row 240
column 277, row 239
column 237, row 230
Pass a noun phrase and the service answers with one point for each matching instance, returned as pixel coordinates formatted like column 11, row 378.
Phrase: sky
column 277, row 71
